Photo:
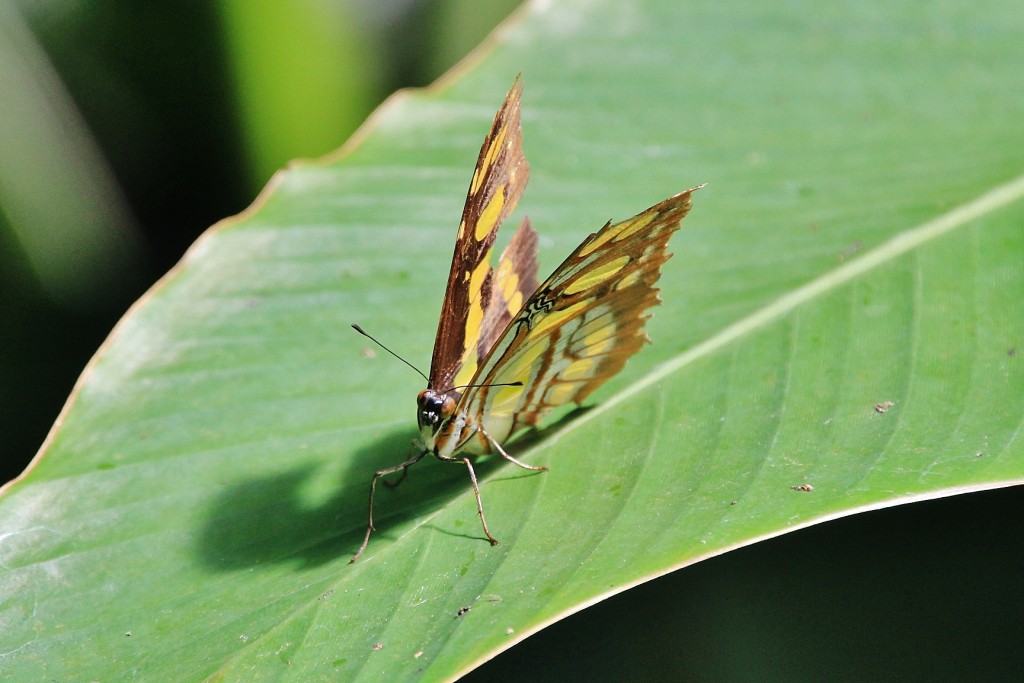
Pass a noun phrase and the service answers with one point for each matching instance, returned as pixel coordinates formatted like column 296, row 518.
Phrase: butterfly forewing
column 498, row 181
column 581, row 325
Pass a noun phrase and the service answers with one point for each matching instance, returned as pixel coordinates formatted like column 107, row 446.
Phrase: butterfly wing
column 498, row 182
column 514, row 281
column 580, row 326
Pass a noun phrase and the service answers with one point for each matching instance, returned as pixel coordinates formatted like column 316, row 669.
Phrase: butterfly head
column 433, row 409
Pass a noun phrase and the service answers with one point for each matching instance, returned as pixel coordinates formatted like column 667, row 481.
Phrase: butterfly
column 508, row 350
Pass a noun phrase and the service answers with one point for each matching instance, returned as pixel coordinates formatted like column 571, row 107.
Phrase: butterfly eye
column 448, row 407
column 432, row 407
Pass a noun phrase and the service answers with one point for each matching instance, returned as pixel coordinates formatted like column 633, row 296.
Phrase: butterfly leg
column 404, row 467
column 396, row 482
column 476, row 492
column 497, row 447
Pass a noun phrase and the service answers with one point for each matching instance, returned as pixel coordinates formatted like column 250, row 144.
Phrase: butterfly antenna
column 368, row 336
column 502, row 384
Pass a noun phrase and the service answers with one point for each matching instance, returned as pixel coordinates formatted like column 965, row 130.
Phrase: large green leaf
column 859, row 243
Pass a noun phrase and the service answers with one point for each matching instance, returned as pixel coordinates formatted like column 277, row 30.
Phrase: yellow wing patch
column 596, row 276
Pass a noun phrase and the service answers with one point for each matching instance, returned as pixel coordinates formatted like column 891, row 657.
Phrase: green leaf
column 843, row 312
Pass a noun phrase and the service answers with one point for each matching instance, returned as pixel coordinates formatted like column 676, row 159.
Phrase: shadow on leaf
column 265, row 520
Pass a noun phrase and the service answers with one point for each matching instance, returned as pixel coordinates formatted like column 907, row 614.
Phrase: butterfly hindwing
column 514, row 281
column 580, row 326
column 498, row 182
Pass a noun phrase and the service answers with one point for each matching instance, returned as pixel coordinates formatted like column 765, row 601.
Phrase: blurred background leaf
column 126, row 129
column 304, row 75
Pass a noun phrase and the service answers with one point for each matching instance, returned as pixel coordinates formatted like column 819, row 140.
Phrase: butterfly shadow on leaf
column 268, row 519
column 431, row 484
column 265, row 519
